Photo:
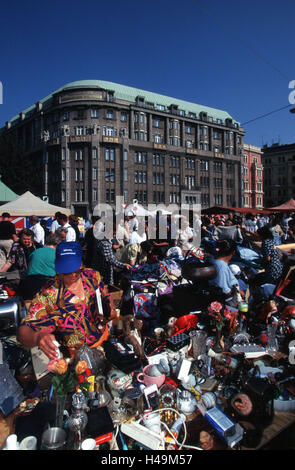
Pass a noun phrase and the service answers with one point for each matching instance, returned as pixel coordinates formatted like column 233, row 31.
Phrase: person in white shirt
column 55, row 225
column 71, row 234
column 39, row 234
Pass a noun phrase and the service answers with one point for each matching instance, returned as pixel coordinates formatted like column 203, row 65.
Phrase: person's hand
column 45, row 343
column 127, row 266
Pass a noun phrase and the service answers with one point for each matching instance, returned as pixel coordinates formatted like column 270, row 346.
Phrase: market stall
column 202, row 375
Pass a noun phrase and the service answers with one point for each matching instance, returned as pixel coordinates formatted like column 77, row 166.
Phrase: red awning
column 241, row 210
column 287, row 206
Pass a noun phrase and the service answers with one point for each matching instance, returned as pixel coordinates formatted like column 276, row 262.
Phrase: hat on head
column 68, row 257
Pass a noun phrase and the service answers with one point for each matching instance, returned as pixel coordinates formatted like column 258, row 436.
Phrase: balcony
column 78, row 138
column 113, row 140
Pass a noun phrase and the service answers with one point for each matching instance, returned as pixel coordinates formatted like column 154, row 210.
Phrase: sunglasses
column 74, row 272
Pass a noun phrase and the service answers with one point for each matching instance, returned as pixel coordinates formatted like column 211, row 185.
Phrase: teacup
column 147, row 379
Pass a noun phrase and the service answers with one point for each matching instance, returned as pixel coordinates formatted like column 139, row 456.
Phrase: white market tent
column 27, row 204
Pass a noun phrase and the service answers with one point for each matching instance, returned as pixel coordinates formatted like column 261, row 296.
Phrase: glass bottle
column 104, row 398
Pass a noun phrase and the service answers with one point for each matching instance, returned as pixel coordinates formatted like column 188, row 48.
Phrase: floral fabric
column 55, row 309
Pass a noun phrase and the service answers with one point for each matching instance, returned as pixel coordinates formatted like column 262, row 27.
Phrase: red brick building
column 252, row 177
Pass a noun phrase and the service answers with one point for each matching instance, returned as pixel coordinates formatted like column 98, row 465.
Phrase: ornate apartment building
column 253, row 177
column 92, row 140
column 279, row 173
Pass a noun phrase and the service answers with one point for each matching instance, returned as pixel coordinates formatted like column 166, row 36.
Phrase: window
column 63, row 174
column 142, row 136
column 94, row 113
column 216, row 135
column 158, row 178
column 63, row 195
column 157, row 122
column 125, row 155
column 140, row 157
column 205, row 199
column 110, row 114
column 94, row 173
column 259, row 187
column 218, row 199
column 110, row 155
column 66, row 116
column 79, row 154
column 174, row 141
column 63, row 153
column 174, row 124
column 110, row 131
column 94, row 152
column 125, row 174
column 190, row 163
column 79, row 130
column 157, row 138
column 204, row 165
column 174, row 180
column 160, row 107
column 217, row 166
column 189, row 181
column 123, row 117
column 158, row 160
column 174, row 162
column 110, row 175
column 94, row 194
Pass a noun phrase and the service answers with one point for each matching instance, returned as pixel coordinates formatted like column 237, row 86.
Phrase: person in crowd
column 136, row 253
column 273, row 265
column 55, row 224
column 71, row 234
column 47, row 231
column 228, row 231
column 89, row 241
column 7, row 233
column 20, row 252
column 132, row 221
column 38, row 231
column 41, row 268
column 290, row 233
column 74, row 223
column 285, row 222
column 277, row 230
column 250, row 223
column 62, row 233
column 104, row 260
column 122, row 233
column 66, row 309
column 225, row 278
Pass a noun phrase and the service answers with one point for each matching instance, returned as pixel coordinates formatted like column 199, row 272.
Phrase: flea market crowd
column 172, row 333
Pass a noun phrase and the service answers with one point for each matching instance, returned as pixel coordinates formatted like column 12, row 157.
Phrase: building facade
column 279, row 173
column 253, row 196
column 93, row 140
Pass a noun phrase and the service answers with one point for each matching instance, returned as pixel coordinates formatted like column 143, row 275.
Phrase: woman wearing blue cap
column 72, row 308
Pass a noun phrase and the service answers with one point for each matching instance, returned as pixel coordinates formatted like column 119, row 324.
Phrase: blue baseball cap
column 68, row 257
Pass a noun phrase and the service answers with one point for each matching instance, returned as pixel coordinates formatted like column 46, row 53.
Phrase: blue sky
column 231, row 55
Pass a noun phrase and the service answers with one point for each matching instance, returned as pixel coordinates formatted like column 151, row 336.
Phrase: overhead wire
column 256, row 52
